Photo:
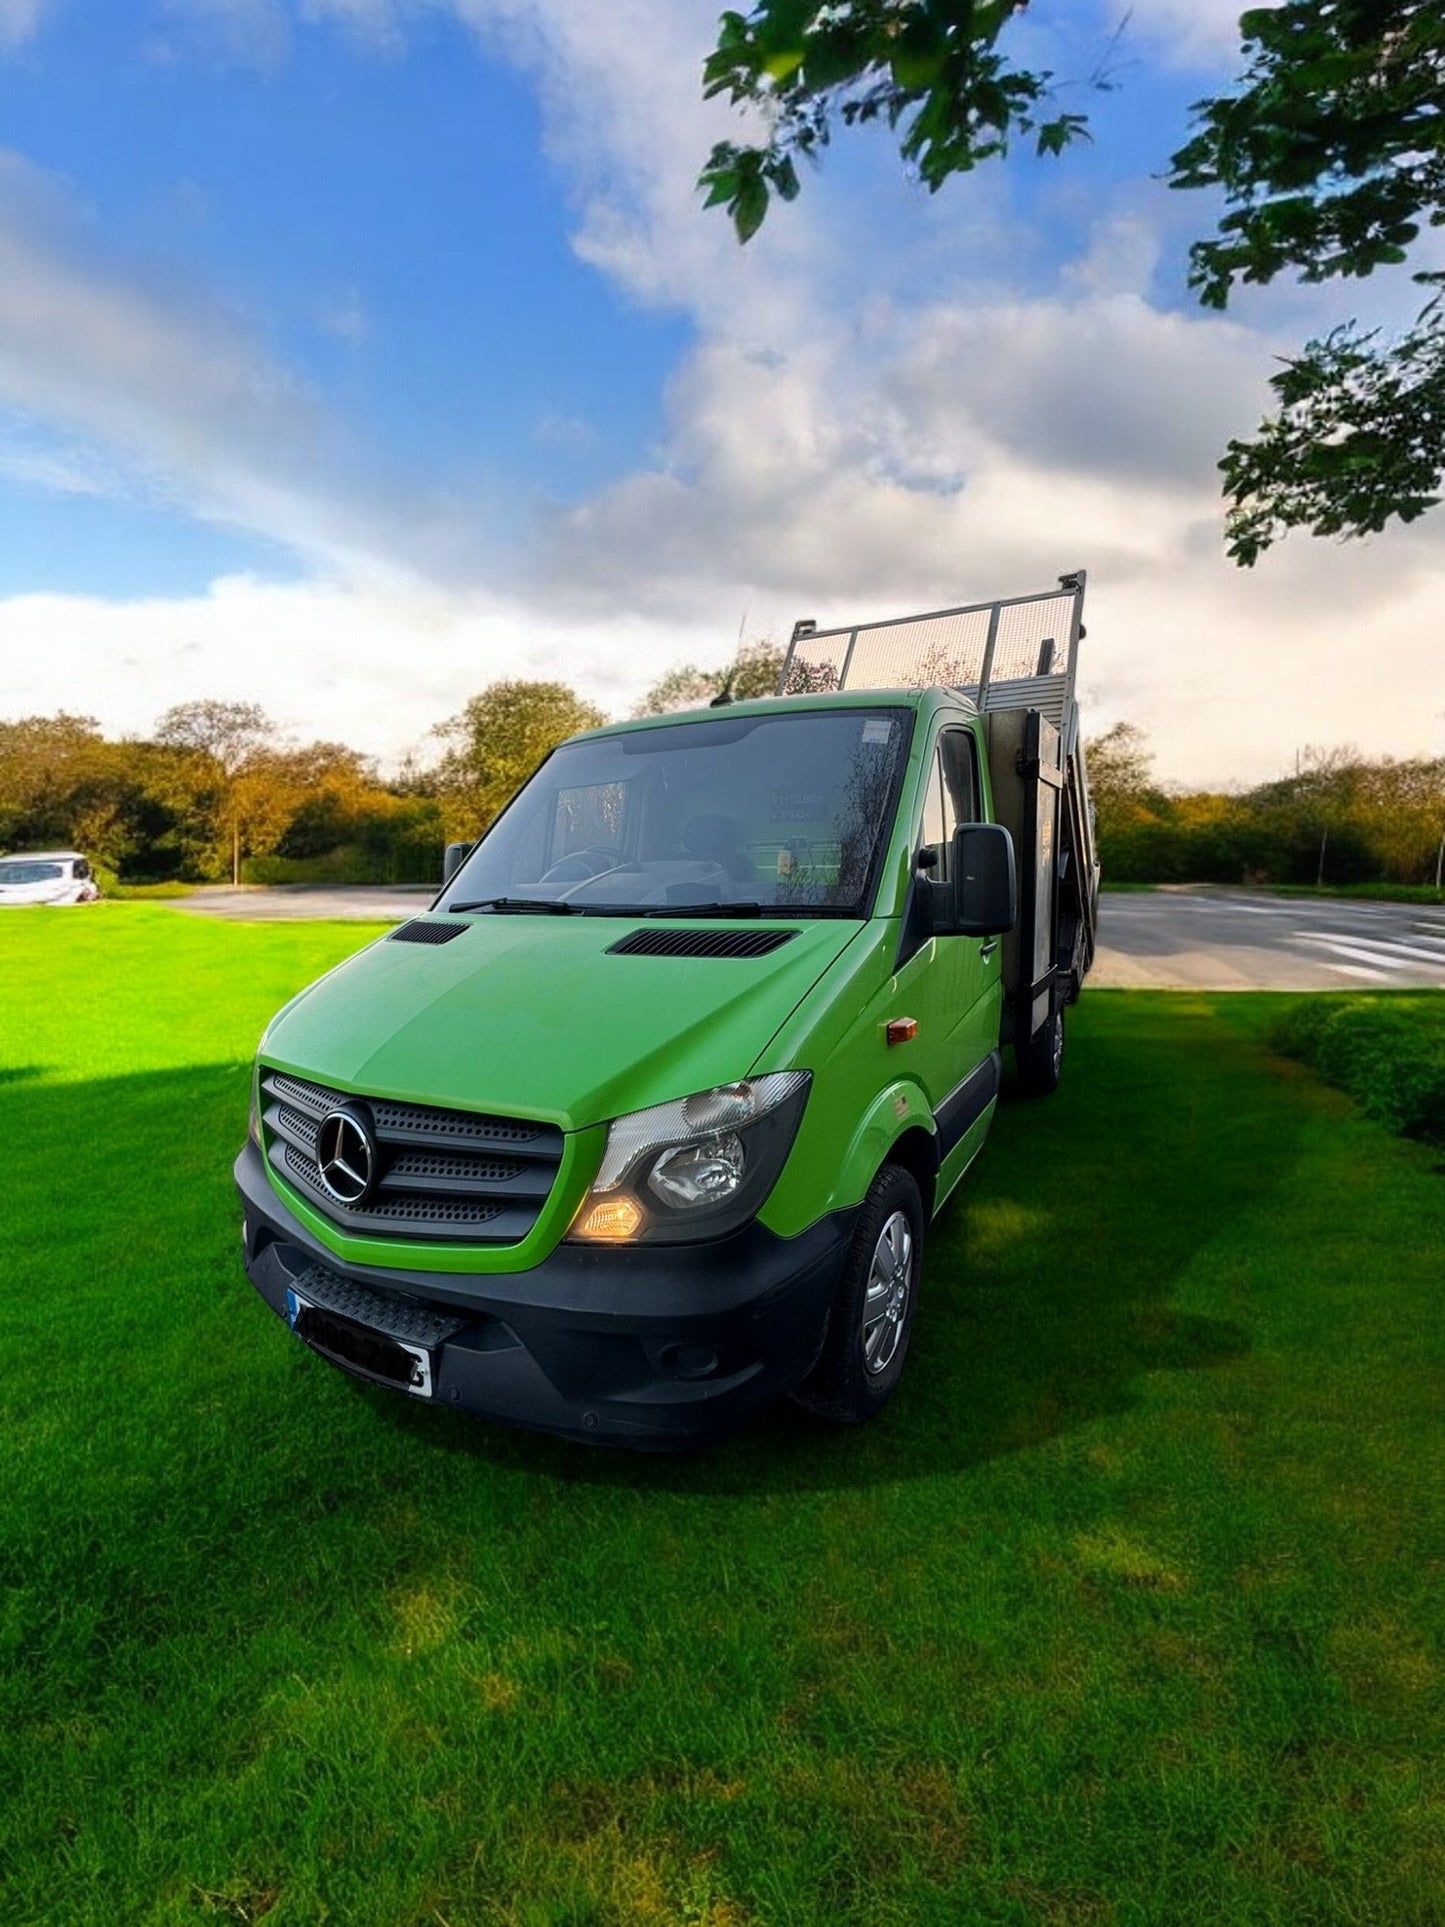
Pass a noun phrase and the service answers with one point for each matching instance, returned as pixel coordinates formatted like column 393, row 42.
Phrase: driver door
column 953, row 985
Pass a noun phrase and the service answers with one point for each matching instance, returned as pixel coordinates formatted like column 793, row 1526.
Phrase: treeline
column 215, row 793
column 211, row 793
column 1339, row 819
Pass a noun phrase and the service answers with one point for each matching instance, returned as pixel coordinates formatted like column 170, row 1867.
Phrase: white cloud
column 376, row 24
column 18, row 21
column 241, row 33
column 1201, row 34
column 178, row 403
column 374, row 667
column 1185, row 652
column 346, row 320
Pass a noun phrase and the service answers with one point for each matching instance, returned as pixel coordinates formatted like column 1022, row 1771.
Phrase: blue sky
column 356, row 352
column 382, row 222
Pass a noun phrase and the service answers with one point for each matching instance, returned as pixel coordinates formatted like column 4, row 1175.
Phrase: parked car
column 46, row 876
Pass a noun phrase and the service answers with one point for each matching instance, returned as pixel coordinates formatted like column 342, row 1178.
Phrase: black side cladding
column 967, row 1102
column 419, row 930
column 699, row 943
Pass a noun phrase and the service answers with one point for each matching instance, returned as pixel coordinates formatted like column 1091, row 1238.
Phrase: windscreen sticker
column 797, row 806
column 877, row 730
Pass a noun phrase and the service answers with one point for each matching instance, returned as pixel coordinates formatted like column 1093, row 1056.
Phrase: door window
column 952, row 797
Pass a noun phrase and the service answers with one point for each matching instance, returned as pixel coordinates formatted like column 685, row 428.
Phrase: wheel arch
column 917, row 1151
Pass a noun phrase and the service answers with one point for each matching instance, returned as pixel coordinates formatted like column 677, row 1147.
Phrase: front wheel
column 1041, row 1059
column 872, row 1318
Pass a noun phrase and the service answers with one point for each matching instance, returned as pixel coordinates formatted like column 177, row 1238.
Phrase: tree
column 497, row 741
column 1331, row 157
column 1120, row 765
column 935, row 70
column 62, row 784
column 217, row 751
column 1330, row 154
column 753, row 671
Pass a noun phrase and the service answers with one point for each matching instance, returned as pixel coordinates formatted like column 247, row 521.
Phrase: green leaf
column 1055, row 135
column 781, row 66
column 784, row 177
column 749, row 205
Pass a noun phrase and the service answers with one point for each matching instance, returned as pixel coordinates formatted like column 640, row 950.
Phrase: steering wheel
column 579, row 866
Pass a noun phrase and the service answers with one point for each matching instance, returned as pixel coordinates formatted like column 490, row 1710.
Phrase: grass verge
column 1365, row 892
column 1128, row 1610
column 148, row 892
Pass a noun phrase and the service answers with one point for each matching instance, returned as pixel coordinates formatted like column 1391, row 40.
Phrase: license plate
column 360, row 1349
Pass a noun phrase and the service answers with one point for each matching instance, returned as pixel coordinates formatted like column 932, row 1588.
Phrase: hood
column 529, row 1016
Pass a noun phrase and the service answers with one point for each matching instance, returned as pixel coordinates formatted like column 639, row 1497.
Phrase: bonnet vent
column 420, row 931
column 700, row 943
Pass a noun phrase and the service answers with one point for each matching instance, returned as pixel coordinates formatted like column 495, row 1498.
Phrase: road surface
column 1181, row 939
column 260, row 903
column 1208, row 939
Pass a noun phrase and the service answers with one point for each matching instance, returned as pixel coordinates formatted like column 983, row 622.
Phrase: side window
column 933, row 835
column 953, row 797
column 960, row 776
column 82, row 870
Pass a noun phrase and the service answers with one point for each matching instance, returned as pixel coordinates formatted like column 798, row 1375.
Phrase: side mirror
column 985, row 881
column 456, row 856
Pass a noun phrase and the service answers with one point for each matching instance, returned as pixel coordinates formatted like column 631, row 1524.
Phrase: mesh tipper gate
column 1016, row 653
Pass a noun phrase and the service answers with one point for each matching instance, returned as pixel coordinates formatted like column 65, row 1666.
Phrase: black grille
column 420, row 931
column 416, row 1121
column 440, row 1174
column 700, row 943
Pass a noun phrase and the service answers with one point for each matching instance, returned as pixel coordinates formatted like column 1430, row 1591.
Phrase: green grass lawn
column 1128, row 1609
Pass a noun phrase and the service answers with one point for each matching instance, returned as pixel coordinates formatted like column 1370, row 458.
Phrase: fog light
column 611, row 1218
column 689, row 1361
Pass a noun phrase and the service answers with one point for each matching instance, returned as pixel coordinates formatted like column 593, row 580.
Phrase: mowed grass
column 1127, row 1610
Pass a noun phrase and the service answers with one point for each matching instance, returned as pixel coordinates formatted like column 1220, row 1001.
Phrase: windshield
column 30, row 873
column 783, row 812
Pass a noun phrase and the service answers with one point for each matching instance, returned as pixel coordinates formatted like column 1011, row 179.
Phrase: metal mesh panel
column 1004, row 653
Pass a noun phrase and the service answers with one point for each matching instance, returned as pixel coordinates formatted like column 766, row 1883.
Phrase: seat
column 719, row 839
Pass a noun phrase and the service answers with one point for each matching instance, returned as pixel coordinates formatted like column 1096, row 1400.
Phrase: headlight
column 697, row 1168
column 253, row 1122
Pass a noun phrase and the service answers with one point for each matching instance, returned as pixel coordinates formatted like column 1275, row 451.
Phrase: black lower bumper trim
column 656, row 1347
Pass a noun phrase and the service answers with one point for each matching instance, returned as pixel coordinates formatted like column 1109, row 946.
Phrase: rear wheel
column 872, row 1318
column 1041, row 1059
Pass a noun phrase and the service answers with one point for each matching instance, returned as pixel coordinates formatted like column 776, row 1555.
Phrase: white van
column 46, row 876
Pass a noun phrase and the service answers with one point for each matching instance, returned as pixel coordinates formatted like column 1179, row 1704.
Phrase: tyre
column 1041, row 1059
column 872, row 1317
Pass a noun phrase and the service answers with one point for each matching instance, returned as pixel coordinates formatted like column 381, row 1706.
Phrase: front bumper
column 656, row 1347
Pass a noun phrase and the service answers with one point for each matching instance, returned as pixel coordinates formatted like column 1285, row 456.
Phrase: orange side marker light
column 902, row 1030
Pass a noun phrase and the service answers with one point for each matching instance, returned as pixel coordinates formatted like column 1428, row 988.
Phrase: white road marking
column 1343, row 949
column 1389, row 947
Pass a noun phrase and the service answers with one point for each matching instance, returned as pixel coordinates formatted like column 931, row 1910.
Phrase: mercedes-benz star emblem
column 346, row 1156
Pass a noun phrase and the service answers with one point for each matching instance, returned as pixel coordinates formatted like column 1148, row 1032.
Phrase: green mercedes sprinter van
column 641, row 1126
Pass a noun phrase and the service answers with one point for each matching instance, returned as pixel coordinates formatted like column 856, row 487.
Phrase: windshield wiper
column 779, row 912
column 517, row 906
column 702, row 910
